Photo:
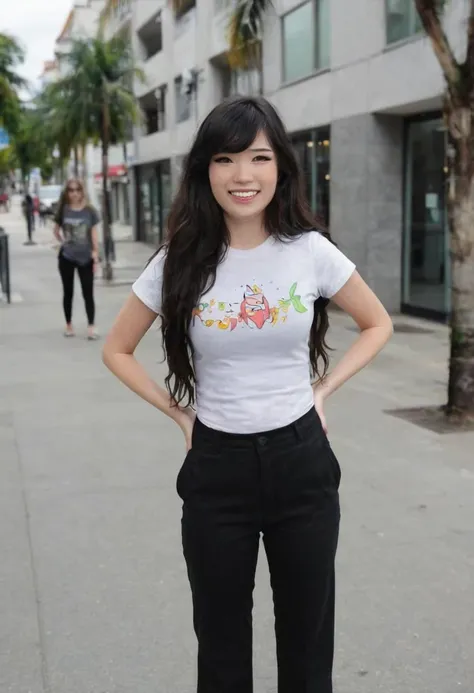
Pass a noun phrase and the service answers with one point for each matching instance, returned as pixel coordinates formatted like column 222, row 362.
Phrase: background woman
column 241, row 286
column 76, row 230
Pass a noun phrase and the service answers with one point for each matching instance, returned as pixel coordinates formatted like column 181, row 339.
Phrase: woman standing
column 76, row 229
column 241, row 285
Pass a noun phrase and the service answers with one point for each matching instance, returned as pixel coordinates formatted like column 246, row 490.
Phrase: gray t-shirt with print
column 76, row 225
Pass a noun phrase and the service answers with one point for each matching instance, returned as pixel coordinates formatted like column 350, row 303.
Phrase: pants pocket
column 334, row 463
column 181, row 479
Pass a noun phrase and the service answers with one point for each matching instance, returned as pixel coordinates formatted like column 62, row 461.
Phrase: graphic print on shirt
column 253, row 310
column 76, row 231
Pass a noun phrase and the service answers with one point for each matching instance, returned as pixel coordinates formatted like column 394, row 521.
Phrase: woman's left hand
column 318, row 397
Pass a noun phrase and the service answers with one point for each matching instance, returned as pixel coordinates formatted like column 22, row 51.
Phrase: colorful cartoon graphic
column 255, row 307
column 253, row 311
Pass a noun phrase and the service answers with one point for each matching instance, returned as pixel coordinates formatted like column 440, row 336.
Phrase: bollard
column 4, row 266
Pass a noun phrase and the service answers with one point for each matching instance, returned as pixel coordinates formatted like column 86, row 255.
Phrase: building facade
column 360, row 91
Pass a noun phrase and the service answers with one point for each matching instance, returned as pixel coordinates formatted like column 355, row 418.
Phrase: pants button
column 262, row 440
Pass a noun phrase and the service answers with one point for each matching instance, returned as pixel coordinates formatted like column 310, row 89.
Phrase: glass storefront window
column 306, row 38
column 155, row 201
column 403, row 20
column 313, row 151
column 426, row 283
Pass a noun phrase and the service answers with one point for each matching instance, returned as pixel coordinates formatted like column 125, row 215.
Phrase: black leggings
column 283, row 484
column 86, row 277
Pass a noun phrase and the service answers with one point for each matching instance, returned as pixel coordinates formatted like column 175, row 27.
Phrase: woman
column 76, row 230
column 241, row 286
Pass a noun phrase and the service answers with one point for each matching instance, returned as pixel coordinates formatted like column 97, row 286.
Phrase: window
column 182, row 101
column 241, row 82
column 153, row 106
column 403, row 20
column 151, row 37
column 313, row 152
column 426, row 265
column 183, row 6
column 306, row 40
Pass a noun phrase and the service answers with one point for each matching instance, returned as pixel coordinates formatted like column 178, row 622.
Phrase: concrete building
column 50, row 73
column 360, row 91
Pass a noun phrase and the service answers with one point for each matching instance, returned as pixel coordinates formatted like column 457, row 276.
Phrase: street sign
column 4, row 138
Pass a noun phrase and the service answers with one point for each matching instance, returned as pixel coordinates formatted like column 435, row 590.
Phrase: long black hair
column 197, row 236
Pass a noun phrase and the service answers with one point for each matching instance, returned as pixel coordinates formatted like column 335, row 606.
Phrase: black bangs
column 231, row 127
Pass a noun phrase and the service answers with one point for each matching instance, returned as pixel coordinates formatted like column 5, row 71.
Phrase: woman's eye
column 262, row 157
column 222, row 160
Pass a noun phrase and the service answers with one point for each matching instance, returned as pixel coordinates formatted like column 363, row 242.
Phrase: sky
column 37, row 24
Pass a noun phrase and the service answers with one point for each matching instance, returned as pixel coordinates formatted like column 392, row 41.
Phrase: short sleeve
column 94, row 216
column 149, row 284
column 332, row 267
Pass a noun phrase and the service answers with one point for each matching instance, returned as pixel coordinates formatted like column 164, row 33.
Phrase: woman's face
column 244, row 183
column 75, row 192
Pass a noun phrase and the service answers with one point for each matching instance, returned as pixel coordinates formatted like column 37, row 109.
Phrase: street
column 94, row 594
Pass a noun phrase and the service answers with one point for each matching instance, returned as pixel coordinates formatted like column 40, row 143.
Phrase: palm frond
column 245, row 31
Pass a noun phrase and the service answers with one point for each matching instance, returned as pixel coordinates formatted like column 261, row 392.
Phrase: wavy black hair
column 197, row 235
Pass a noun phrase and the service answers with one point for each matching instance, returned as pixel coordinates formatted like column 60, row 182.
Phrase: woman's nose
column 242, row 173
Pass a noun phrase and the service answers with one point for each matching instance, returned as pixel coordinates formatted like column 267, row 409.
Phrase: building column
column 367, row 199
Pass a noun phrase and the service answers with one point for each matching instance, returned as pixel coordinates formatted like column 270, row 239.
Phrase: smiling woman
column 247, row 178
column 242, row 285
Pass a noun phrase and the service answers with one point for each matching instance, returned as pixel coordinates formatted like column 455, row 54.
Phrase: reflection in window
column 313, row 151
column 403, row 20
column 182, row 101
column 306, row 35
column 426, row 253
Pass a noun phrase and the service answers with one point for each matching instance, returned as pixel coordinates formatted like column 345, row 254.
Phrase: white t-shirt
column 251, row 331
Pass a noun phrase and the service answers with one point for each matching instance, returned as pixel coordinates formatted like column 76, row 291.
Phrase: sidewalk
column 93, row 588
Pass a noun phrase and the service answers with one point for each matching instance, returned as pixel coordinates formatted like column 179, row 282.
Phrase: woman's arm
column 57, row 233
column 360, row 302
column 131, row 324
column 95, row 243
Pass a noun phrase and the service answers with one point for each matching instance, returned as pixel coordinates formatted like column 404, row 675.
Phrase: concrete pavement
column 93, row 590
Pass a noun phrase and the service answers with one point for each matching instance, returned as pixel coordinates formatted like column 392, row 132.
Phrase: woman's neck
column 246, row 233
column 77, row 207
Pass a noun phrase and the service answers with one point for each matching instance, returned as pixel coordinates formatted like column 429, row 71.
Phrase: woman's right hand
column 186, row 423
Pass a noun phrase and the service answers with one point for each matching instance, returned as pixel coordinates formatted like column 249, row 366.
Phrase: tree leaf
column 293, row 289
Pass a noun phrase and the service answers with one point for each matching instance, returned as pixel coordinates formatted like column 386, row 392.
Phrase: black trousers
column 284, row 484
column 86, row 277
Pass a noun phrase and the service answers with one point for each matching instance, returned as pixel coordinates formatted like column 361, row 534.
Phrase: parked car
column 49, row 196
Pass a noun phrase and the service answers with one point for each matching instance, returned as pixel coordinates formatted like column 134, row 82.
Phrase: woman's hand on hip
column 186, row 422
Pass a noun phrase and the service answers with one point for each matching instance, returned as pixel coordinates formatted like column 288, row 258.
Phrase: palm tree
column 245, row 32
column 96, row 102
column 11, row 56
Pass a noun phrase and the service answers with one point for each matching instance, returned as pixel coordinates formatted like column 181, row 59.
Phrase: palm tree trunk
column 106, row 216
column 461, row 216
column 85, row 172
column 76, row 161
